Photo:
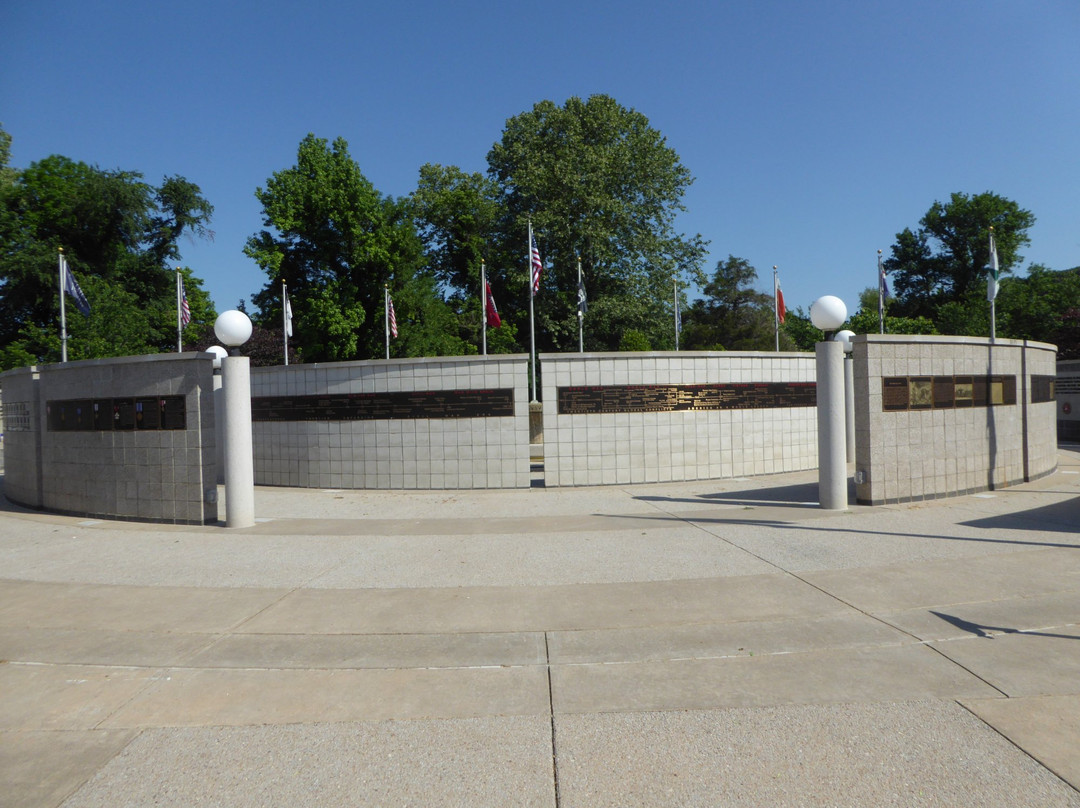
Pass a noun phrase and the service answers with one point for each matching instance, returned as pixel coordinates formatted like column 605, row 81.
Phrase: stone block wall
column 129, row 438
column 613, row 418
column 22, row 436
column 432, row 423
column 1068, row 400
column 943, row 416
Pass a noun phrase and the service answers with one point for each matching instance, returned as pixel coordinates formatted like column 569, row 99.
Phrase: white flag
column 992, row 276
column 288, row 314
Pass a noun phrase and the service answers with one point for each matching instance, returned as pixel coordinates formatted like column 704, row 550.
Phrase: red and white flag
column 391, row 316
column 781, row 311
column 185, row 309
column 535, row 262
column 493, row 318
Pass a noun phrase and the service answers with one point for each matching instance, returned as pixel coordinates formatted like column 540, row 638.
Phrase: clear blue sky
column 815, row 131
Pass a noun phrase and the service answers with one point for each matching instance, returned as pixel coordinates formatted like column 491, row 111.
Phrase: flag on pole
column 883, row 282
column 582, row 300
column 493, row 318
column 390, row 314
column 185, row 309
column 781, row 309
column 71, row 286
column 992, row 273
column 535, row 262
column 288, row 312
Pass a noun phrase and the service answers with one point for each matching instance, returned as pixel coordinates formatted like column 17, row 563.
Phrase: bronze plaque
column 385, row 406
column 964, row 391
column 944, row 392
column 636, row 398
column 894, row 393
column 921, row 393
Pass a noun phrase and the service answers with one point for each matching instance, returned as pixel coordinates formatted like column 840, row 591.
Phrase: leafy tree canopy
column 945, row 260
column 338, row 244
column 119, row 234
column 732, row 315
column 598, row 182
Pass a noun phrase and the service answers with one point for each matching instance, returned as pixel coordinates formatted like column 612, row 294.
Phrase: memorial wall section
column 1068, row 400
column 614, row 418
column 945, row 416
column 433, row 423
column 125, row 438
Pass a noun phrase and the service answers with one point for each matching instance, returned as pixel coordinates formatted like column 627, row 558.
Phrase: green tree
column 597, row 181
column 731, row 315
column 338, row 243
column 866, row 321
column 1035, row 307
column 118, row 233
column 944, row 261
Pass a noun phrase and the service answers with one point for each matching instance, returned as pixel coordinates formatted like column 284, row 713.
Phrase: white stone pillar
column 849, row 402
column 239, row 465
column 832, row 426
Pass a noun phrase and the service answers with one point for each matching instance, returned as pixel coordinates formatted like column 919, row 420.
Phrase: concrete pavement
column 708, row 643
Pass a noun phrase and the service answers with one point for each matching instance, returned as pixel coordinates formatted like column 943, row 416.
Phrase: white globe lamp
column 845, row 337
column 233, row 328
column 219, row 354
column 828, row 313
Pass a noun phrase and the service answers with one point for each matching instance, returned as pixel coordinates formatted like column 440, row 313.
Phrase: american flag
column 537, row 264
column 185, row 309
column 390, row 314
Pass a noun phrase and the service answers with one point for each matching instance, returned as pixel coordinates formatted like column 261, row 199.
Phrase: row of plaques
column 635, row 398
column 946, row 392
column 107, row 414
column 385, row 406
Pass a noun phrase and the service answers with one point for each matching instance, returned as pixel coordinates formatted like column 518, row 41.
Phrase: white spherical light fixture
column 828, row 313
column 219, row 354
column 233, row 328
column 845, row 337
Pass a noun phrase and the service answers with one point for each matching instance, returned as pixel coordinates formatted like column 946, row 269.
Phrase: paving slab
column 721, row 640
column 899, row 754
column 1046, row 727
column 51, row 605
column 1031, row 663
column 42, row 768
column 479, row 761
column 541, row 608
column 187, row 697
column 66, row 697
column 865, row 674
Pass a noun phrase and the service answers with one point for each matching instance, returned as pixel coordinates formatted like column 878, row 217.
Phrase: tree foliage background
column 601, row 189
column 120, row 236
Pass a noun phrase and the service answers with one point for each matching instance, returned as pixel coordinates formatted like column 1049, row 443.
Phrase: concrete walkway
column 709, row 643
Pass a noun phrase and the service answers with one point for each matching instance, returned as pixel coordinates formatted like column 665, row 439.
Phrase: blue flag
column 71, row 286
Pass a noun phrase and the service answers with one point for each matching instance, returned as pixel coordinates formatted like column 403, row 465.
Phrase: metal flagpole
column 775, row 307
column 880, row 294
column 676, row 282
column 285, row 318
column 532, row 322
column 580, row 309
column 179, row 316
column 992, row 285
column 483, row 305
column 63, row 316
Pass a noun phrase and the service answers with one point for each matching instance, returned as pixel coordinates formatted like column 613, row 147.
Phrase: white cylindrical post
column 832, row 452
column 239, row 466
column 234, row 329
column 849, row 406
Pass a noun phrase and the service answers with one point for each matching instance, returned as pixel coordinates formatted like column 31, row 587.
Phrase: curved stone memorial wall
column 453, row 422
column 944, row 416
column 613, row 418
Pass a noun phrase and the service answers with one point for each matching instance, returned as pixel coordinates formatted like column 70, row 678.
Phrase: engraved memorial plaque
column 894, row 393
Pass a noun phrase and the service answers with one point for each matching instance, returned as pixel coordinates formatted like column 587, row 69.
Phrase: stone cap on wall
column 940, row 339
